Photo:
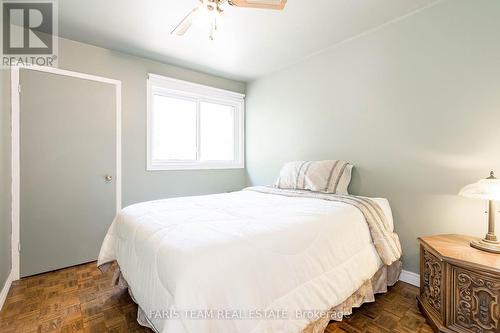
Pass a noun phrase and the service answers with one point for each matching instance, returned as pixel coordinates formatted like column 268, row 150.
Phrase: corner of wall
column 6, row 276
column 5, row 290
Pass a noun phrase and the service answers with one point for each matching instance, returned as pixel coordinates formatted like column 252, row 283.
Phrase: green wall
column 415, row 105
column 5, row 202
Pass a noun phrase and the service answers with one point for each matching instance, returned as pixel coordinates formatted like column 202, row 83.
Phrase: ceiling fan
column 213, row 8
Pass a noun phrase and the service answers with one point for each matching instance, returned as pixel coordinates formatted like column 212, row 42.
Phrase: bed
column 258, row 260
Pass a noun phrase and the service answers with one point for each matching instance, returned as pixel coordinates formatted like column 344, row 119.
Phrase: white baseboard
column 410, row 277
column 6, row 288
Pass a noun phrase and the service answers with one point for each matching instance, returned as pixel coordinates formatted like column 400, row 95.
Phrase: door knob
column 108, row 178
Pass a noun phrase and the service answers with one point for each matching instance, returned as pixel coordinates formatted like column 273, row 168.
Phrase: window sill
column 197, row 166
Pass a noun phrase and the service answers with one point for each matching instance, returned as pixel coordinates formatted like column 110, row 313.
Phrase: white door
column 68, row 169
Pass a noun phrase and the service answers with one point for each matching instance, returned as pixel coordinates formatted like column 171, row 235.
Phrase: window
column 191, row 126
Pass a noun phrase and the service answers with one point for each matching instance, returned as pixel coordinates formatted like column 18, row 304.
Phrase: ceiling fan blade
column 264, row 4
column 186, row 23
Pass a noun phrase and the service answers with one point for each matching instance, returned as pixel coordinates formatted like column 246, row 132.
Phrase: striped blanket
column 385, row 240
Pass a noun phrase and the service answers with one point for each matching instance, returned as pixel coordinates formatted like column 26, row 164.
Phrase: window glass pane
column 174, row 128
column 216, row 132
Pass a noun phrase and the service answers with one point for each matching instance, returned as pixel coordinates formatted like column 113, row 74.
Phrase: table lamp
column 486, row 189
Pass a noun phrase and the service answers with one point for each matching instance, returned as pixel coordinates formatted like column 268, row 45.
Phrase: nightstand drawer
column 475, row 298
column 432, row 284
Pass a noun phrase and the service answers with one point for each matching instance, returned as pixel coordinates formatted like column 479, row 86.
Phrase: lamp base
column 486, row 245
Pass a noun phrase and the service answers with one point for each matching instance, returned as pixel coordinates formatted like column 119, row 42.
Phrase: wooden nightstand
column 459, row 285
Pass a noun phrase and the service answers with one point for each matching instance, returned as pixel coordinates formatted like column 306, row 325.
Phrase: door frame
column 15, row 90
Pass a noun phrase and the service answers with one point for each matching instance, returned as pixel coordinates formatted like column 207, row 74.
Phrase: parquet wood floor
column 81, row 299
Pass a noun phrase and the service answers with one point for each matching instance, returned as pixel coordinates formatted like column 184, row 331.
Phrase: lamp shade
column 486, row 189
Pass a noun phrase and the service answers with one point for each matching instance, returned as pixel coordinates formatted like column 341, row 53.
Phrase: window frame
column 169, row 87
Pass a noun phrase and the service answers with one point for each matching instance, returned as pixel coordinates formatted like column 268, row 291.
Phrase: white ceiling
column 250, row 43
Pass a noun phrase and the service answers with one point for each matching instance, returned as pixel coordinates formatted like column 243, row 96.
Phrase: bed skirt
column 385, row 277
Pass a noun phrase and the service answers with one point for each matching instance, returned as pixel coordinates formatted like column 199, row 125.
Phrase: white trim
column 410, row 277
column 165, row 86
column 15, row 148
column 118, row 101
column 194, row 88
column 170, row 166
column 15, row 159
column 6, row 288
column 64, row 72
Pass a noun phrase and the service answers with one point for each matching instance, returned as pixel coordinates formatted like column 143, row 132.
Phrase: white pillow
column 331, row 176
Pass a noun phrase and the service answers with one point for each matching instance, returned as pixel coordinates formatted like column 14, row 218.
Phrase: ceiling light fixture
column 212, row 10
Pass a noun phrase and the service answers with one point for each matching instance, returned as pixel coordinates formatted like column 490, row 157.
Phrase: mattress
column 245, row 261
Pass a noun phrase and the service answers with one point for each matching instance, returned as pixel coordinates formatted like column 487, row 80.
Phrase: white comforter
column 241, row 262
